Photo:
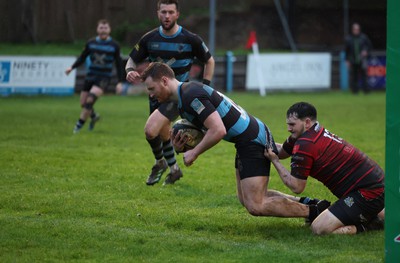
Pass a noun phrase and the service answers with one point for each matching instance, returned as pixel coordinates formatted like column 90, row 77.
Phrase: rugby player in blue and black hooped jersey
column 103, row 52
column 224, row 120
column 178, row 47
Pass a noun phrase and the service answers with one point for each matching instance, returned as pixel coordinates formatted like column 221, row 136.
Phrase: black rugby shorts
column 250, row 160
column 101, row 82
column 168, row 109
column 354, row 208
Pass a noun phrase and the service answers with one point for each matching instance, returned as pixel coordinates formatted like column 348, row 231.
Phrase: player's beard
column 167, row 28
column 104, row 36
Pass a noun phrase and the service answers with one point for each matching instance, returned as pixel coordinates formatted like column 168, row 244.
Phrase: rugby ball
column 188, row 129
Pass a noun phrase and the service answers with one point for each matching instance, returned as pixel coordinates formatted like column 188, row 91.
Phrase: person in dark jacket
column 358, row 48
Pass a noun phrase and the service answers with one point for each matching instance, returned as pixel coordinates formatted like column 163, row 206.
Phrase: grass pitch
column 83, row 197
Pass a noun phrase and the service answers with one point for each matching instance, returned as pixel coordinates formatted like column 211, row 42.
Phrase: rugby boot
column 317, row 210
column 173, row 176
column 156, row 172
column 93, row 122
column 76, row 129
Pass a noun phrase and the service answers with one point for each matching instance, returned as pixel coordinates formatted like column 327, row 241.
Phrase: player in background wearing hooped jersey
column 103, row 52
column 224, row 120
column 356, row 180
column 172, row 44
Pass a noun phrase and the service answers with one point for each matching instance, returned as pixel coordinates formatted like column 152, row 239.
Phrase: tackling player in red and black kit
column 224, row 120
column 103, row 51
column 349, row 174
column 178, row 47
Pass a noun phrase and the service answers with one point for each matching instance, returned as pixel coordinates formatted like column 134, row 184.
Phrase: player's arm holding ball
column 178, row 140
column 215, row 133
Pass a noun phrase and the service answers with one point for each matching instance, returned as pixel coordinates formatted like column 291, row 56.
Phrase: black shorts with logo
column 354, row 208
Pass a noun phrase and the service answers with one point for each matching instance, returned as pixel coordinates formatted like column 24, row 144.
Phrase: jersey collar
column 179, row 95
column 160, row 30
column 98, row 39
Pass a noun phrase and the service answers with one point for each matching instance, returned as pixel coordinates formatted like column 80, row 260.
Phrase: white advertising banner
column 36, row 75
column 290, row 71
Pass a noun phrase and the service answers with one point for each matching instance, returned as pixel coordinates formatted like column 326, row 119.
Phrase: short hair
column 103, row 21
column 168, row 2
column 157, row 70
column 302, row 110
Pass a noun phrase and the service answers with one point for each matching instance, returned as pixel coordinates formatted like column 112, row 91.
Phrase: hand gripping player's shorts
column 250, row 160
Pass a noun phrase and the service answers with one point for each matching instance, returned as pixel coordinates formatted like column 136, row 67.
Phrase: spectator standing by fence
column 358, row 48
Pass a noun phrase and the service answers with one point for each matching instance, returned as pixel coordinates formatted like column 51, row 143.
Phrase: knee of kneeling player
column 255, row 210
column 319, row 229
column 240, row 199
